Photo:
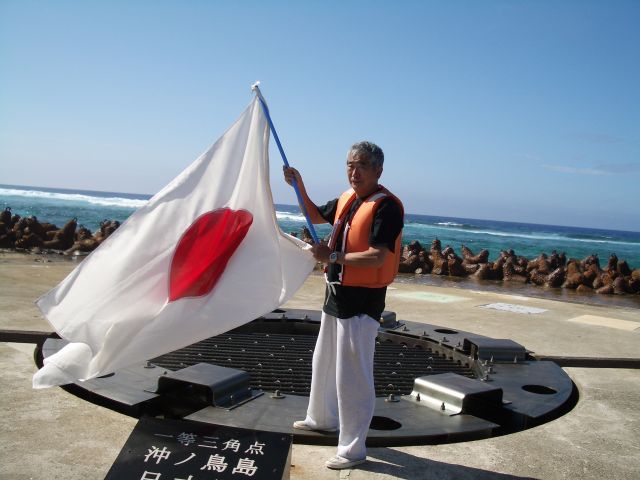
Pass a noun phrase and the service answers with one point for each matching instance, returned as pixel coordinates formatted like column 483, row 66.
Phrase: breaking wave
column 110, row 200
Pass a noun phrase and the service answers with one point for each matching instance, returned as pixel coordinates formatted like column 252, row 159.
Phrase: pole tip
column 255, row 86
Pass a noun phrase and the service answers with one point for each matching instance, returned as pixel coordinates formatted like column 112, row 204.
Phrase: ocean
column 56, row 205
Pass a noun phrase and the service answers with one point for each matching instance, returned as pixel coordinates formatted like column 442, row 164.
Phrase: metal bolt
column 391, row 398
column 149, row 365
column 445, row 339
column 277, row 395
column 418, row 397
column 443, row 407
column 405, row 329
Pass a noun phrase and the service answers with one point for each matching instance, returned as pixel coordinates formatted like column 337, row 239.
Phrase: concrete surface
column 50, row 434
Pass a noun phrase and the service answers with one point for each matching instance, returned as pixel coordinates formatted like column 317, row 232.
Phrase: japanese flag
column 203, row 256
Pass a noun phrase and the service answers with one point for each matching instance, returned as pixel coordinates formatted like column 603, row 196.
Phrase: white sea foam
column 74, row 197
column 292, row 217
column 550, row 237
column 449, row 224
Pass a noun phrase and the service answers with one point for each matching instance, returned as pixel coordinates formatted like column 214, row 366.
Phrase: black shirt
column 345, row 302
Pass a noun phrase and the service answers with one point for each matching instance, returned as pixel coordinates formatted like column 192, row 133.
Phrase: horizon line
column 70, row 190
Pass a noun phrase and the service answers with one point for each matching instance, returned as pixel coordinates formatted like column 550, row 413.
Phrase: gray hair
column 369, row 150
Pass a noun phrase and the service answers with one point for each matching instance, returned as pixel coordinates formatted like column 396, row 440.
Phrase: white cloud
column 575, row 170
column 610, row 169
column 620, row 168
column 599, row 138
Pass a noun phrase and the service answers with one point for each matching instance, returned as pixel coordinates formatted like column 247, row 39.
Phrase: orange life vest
column 355, row 238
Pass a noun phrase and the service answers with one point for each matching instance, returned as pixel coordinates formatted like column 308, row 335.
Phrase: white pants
column 342, row 389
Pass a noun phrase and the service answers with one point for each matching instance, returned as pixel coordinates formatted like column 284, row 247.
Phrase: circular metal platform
column 434, row 384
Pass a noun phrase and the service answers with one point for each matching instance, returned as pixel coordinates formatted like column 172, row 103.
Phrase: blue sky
column 504, row 110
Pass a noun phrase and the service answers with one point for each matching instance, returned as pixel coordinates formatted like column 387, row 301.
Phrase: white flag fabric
column 203, row 256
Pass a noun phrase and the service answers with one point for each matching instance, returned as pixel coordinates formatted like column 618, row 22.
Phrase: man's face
column 363, row 177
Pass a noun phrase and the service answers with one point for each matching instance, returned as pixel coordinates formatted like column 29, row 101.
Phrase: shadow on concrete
column 398, row 464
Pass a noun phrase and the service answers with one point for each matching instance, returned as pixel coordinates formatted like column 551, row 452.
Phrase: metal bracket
column 497, row 350
column 222, row 387
column 452, row 394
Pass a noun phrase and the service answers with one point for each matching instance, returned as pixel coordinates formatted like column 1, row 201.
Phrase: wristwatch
column 333, row 257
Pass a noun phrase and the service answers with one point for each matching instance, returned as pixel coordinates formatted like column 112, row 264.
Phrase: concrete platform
column 50, row 434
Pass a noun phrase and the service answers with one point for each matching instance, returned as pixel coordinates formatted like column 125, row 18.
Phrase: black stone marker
column 162, row 449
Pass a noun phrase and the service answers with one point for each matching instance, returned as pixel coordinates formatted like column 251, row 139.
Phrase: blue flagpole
column 312, row 230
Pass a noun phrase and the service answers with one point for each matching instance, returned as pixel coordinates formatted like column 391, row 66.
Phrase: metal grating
column 276, row 352
column 283, row 361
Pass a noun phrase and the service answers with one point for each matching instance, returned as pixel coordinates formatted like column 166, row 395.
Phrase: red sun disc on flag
column 204, row 250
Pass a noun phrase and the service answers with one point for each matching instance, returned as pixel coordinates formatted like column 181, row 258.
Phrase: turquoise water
column 525, row 239
column 90, row 208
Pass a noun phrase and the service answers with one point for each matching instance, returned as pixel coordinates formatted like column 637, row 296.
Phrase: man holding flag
column 362, row 258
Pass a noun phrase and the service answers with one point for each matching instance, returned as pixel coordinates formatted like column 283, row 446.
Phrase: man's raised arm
column 312, row 210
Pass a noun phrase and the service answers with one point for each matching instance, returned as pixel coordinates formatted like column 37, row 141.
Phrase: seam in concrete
column 606, row 322
column 591, row 362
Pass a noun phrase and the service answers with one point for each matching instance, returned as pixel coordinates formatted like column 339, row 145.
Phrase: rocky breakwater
column 553, row 271
column 27, row 233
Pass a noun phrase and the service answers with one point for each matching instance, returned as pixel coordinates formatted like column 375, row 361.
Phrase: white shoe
column 340, row 463
column 301, row 425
